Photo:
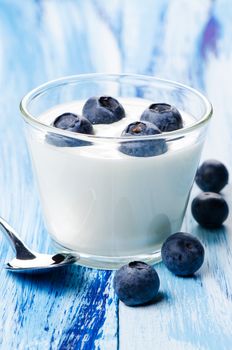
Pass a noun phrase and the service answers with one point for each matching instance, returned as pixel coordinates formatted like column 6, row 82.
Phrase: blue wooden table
column 187, row 41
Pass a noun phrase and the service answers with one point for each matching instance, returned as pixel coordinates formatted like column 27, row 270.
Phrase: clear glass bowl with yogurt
column 108, row 206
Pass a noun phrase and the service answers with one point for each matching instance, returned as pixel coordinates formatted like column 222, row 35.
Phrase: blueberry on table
column 209, row 209
column 212, row 176
column 136, row 283
column 70, row 122
column 103, row 110
column 182, row 253
column 164, row 116
column 143, row 148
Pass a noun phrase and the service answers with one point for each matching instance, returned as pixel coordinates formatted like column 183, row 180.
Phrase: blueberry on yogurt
column 164, row 116
column 70, row 122
column 182, row 254
column 136, row 283
column 103, row 110
column 142, row 148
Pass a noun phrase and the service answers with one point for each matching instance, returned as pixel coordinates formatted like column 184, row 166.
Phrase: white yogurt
column 99, row 201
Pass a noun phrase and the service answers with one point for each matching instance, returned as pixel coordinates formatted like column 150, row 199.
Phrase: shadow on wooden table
column 211, row 236
column 67, row 279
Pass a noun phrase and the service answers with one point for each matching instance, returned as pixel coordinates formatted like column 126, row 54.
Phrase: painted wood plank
column 73, row 308
column 76, row 308
column 194, row 313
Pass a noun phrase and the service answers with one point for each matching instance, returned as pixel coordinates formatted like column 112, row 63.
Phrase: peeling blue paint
column 210, row 37
column 45, row 39
column 88, row 319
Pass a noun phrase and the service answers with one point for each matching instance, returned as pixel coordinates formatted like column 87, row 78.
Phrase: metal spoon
column 30, row 261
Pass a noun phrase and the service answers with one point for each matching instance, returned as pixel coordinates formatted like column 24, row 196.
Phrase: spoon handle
column 21, row 250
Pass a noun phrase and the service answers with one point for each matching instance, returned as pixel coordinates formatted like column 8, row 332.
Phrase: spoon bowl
column 41, row 262
column 28, row 261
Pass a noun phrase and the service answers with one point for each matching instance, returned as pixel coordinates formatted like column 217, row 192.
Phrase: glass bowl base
column 110, row 262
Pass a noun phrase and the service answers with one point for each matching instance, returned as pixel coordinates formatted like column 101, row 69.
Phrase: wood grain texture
column 187, row 41
column 73, row 308
column 194, row 313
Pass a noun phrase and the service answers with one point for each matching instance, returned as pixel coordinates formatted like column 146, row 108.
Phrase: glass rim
column 72, row 79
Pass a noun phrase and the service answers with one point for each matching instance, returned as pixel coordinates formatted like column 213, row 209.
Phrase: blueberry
column 212, row 176
column 145, row 148
column 182, row 253
column 103, row 110
column 70, row 122
column 209, row 209
column 164, row 116
column 136, row 283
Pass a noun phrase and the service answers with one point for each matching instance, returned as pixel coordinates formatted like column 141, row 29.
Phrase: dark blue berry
column 164, row 116
column 136, row 283
column 103, row 110
column 182, row 253
column 212, row 176
column 70, row 122
column 210, row 209
column 73, row 122
column 144, row 148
